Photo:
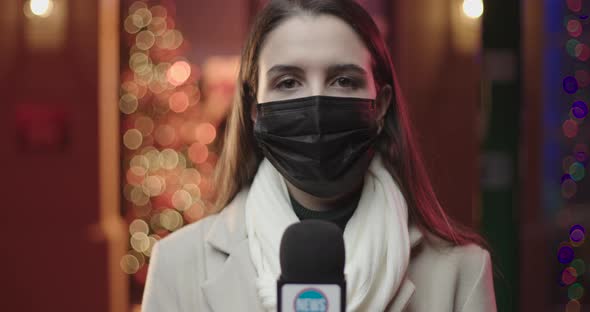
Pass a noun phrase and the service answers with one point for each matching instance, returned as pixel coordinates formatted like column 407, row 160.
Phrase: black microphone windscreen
column 312, row 250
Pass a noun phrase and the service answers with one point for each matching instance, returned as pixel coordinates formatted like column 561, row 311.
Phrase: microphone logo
column 311, row 300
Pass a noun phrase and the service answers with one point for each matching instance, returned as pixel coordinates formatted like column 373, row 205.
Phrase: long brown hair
column 241, row 156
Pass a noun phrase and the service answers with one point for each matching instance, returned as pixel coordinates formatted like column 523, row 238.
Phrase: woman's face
column 314, row 55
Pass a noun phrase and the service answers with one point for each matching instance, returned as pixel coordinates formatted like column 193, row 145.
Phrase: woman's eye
column 347, row 82
column 286, row 84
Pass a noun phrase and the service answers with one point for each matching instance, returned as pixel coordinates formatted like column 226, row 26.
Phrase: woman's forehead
column 313, row 42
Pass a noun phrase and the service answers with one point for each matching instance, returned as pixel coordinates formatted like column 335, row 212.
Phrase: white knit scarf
column 376, row 237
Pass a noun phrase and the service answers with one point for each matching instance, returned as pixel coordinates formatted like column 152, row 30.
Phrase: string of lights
column 167, row 158
column 574, row 165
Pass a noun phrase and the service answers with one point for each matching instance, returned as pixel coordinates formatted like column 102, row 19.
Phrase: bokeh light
column 570, row 47
column 140, row 242
column 570, row 85
column 574, row 5
column 205, row 133
column 574, row 28
column 145, row 125
column 165, row 135
column 139, row 226
column 577, row 171
column 182, row 200
column 144, row 17
column 579, row 266
column 582, row 52
column 580, row 109
column 178, row 73
column 575, row 291
column 581, row 152
column 145, row 40
column 128, row 104
column 572, row 306
column 41, row 8
column 132, row 139
column 159, row 11
column 566, row 163
column 169, row 159
column 473, row 8
column 569, row 275
column 198, row 153
column 565, row 254
column 179, row 102
column 583, row 78
column 570, row 128
column 153, row 185
column 171, row 219
column 129, row 264
column 569, row 188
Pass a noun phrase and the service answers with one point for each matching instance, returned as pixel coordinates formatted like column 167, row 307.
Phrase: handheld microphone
column 312, row 268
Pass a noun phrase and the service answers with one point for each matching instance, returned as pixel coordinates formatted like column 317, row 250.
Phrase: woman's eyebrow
column 331, row 70
column 339, row 68
column 278, row 69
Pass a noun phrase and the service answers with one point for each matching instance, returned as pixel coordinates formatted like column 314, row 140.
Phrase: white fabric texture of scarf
column 376, row 237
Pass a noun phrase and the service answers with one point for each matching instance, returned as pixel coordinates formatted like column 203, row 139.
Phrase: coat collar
column 238, row 275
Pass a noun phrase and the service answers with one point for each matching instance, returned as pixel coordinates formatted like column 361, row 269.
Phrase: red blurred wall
column 50, row 193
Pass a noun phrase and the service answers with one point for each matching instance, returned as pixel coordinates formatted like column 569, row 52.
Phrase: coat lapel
column 232, row 285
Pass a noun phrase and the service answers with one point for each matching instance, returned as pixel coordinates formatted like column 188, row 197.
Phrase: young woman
column 319, row 130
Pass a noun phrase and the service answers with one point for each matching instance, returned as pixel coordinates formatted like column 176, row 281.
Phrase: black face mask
column 323, row 145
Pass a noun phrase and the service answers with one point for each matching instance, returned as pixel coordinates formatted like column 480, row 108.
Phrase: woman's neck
column 315, row 203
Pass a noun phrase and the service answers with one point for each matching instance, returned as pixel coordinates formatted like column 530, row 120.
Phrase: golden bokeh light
column 153, row 185
column 140, row 63
column 128, row 104
column 153, row 241
column 140, row 161
column 40, row 8
column 181, row 162
column 129, row 264
column 137, row 5
column 153, row 155
column 145, row 17
column 139, row 242
column 138, row 226
column 130, row 24
column 132, row 139
column 171, row 219
column 193, row 190
column 145, row 40
column 159, row 11
column 168, row 159
column 182, row 200
column 190, row 176
column 139, row 197
column 158, row 26
column 139, row 256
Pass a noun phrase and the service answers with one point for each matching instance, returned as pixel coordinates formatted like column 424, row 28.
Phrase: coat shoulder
column 458, row 277
column 185, row 239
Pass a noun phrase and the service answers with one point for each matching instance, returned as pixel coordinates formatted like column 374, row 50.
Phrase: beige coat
column 205, row 266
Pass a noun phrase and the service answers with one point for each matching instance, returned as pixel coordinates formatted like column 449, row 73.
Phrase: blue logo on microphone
column 311, row 300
